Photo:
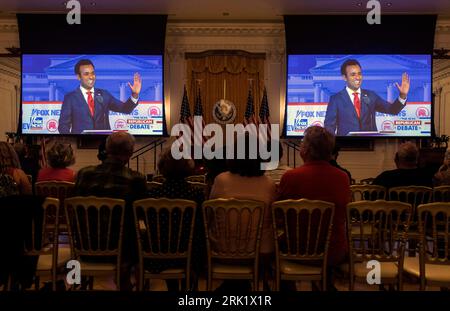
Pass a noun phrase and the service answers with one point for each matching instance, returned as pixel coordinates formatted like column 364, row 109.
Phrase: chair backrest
column 367, row 181
column 434, row 228
column 233, row 228
column 377, row 229
column 196, row 178
column 164, row 227
column 302, row 228
column 202, row 187
column 414, row 195
column 159, row 178
column 153, row 185
column 55, row 189
column 43, row 228
column 367, row 192
column 441, row 194
column 95, row 225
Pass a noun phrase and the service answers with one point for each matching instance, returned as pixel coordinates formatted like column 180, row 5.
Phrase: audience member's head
column 407, row 156
column 8, row 157
column 60, row 155
column 171, row 168
column 246, row 166
column 21, row 150
column 447, row 158
column 120, row 146
column 335, row 152
column 317, row 144
column 102, row 155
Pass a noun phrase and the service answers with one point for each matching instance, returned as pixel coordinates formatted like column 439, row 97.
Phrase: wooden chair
column 377, row 231
column 367, row 181
column 152, row 185
column 56, row 189
column 158, row 178
column 164, row 230
column 42, row 242
column 433, row 267
column 95, row 233
column 233, row 233
column 441, row 194
column 196, row 178
column 414, row 195
column 367, row 192
column 302, row 234
column 202, row 187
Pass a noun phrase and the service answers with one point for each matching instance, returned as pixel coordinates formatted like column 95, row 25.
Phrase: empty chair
column 95, row 233
column 377, row 231
column 441, row 194
column 56, row 189
column 433, row 267
column 164, row 231
column 367, row 192
column 41, row 242
column 233, row 233
column 302, row 229
column 414, row 195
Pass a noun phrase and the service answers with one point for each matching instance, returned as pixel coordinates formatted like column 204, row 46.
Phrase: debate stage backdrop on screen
column 312, row 79
column 46, row 79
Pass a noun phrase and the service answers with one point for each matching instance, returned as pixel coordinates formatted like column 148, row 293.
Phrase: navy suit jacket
column 341, row 117
column 75, row 116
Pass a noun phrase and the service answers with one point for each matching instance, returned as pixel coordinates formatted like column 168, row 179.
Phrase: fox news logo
column 36, row 123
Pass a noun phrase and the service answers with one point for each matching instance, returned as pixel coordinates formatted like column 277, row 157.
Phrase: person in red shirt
column 59, row 156
column 317, row 179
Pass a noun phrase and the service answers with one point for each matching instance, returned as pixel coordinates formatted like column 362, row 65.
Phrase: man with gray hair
column 407, row 172
column 113, row 179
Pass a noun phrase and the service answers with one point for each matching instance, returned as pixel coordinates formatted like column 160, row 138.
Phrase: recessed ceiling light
column 389, row 4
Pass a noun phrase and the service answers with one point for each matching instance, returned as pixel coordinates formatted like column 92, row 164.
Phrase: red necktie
column 91, row 103
column 357, row 104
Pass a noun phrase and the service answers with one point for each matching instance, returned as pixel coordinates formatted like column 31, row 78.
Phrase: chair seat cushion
column 388, row 269
column 231, row 269
column 291, row 267
column 434, row 273
column 45, row 261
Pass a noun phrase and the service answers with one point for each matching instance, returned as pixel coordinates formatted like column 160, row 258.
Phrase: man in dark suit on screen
column 87, row 108
column 353, row 109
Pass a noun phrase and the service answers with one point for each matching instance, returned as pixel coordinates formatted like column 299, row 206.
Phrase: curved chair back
column 202, row 187
column 196, row 178
column 302, row 233
column 441, row 194
column 233, row 233
column 95, row 232
column 377, row 231
column 367, row 192
column 158, row 178
column 164, row 230
column 434, row 228
column 153, row 185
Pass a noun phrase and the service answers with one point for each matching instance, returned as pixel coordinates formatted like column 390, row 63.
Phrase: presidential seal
column 224, row 111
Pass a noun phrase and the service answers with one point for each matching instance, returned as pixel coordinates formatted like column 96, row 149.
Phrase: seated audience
column 29, row 159
column 175, row 186
column 333, row 161
column 407, row 172
column 280, row 170
column 59, row 157
column 317, row 179
column 442, row 177
column 112, row 178
column 12, row 179
column 245, row 180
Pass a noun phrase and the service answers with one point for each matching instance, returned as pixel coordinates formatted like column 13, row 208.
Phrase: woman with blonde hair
column 10, row 166
column 59, row 157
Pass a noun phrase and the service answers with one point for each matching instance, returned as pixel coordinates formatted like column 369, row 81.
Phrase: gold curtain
column 208, row 71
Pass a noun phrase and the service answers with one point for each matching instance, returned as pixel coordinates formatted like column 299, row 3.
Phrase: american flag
column 185, row 115
column 198, row 111
column 249, row 117
column 264, row 113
